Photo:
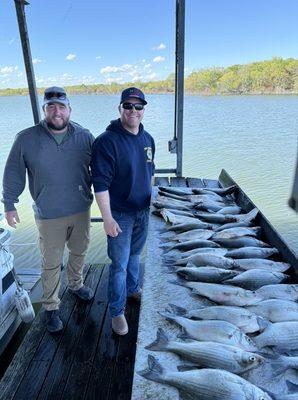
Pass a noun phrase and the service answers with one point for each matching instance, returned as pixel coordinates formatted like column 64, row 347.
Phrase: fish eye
column 252, row 359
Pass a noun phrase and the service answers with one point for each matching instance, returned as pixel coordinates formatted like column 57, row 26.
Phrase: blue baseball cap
column 132, row 93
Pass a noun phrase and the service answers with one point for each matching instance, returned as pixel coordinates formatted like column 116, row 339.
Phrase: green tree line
column 276, row 76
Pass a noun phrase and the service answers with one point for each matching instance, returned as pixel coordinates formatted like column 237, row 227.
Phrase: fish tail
column 154, row 372
column 263, row 323
column 169, row 316
column 178, row 310
column 160, row 343
column 180, row 282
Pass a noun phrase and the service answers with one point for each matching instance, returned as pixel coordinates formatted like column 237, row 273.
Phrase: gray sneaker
column 53, row 321
column 84, row 293
column 119, row 325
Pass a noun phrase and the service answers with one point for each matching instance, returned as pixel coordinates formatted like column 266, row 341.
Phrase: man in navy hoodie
column 122, row 173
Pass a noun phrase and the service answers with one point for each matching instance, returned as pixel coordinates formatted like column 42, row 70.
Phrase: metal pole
column 20, row 10
column 293, row 201
column 179, row 81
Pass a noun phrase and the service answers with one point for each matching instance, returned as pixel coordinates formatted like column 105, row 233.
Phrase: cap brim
column 134, row 97
column 60, row 101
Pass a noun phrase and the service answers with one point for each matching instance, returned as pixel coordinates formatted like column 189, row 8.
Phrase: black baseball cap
column 132, row 93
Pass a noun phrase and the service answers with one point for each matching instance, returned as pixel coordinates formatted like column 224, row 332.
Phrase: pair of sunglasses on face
column 55, row 95
column 130, row 106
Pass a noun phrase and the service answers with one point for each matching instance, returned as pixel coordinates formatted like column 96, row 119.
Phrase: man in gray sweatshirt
column 55, row 154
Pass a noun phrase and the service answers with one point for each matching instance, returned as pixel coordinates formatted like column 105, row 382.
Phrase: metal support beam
column 20, row 10
column 293, row 201
column 179, row 81
column 166, row 171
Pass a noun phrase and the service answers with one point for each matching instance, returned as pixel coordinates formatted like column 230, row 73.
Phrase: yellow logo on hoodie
column 148, row 153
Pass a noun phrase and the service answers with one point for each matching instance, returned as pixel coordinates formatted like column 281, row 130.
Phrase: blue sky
column 100, row 41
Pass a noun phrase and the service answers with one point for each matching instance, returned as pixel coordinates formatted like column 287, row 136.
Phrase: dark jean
column 124, row 251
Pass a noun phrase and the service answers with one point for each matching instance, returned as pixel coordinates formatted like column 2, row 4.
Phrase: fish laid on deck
column 218, row 253
column 205, row 384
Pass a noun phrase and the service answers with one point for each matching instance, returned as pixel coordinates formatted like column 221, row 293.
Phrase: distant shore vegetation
column 276, row 76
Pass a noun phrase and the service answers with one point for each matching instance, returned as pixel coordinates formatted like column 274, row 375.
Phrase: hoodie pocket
column 58, row 200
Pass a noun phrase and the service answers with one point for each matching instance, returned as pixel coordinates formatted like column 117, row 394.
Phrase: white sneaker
column 119, row 325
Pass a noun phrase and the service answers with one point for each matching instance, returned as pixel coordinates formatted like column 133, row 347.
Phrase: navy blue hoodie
column 122, row 163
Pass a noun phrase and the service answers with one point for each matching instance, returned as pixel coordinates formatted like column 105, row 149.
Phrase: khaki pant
column 53, row 235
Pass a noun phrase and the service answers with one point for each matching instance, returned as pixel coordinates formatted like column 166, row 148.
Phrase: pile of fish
column 249, row 324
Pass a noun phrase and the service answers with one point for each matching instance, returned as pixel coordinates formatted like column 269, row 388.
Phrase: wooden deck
column 85, row 361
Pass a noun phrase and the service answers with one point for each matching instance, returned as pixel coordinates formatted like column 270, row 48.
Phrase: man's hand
column 111, row 227
column 12, row 218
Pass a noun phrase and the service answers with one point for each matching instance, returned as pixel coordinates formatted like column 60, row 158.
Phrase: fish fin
column 188, row 367
column 292, row 386
column 263, row 323
column 154, row 371
column 167, row 315
column 183, row 395
column 160, row 343
column 170, row 269
column 166, row 246
column 156, row 212
column 251, row 214
column 183, row 335
column 279, row 366
column 291, row 375
column 273, row 396
column 177, row 310
column 179, row 282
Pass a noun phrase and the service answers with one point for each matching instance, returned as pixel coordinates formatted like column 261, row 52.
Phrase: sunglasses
column 130, row 106
column 55, row 95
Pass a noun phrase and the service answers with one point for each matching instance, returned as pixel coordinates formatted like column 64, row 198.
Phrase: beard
column 57, row 127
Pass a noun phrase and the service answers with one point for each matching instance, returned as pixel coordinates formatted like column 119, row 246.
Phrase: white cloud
column 143, row 61
column 161, row 46
column 114, row 79
column 109, row 69
column 128, row 72
column 8, row 69
column 151, row 76
column 70, row 57
column 36, row 61
column 11, row 41
column 158, row 59
column 88, row 79
column 98, row 57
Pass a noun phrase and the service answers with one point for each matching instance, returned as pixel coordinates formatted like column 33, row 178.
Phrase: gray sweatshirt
column 59, row 175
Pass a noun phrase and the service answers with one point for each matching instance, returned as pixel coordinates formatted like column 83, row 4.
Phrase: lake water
column 253, row 137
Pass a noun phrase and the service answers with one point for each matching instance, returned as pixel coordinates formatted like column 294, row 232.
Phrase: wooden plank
column 42, row 359
column 161, row 181
column 270, row 234
column 61, row 362
column 80, row 372
column 29, row 278
column 211, row 183
column 29, row 271
column 104, row 363
column 194, row 182
column 177, row 182
column 123, row 373
column 13, row 377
